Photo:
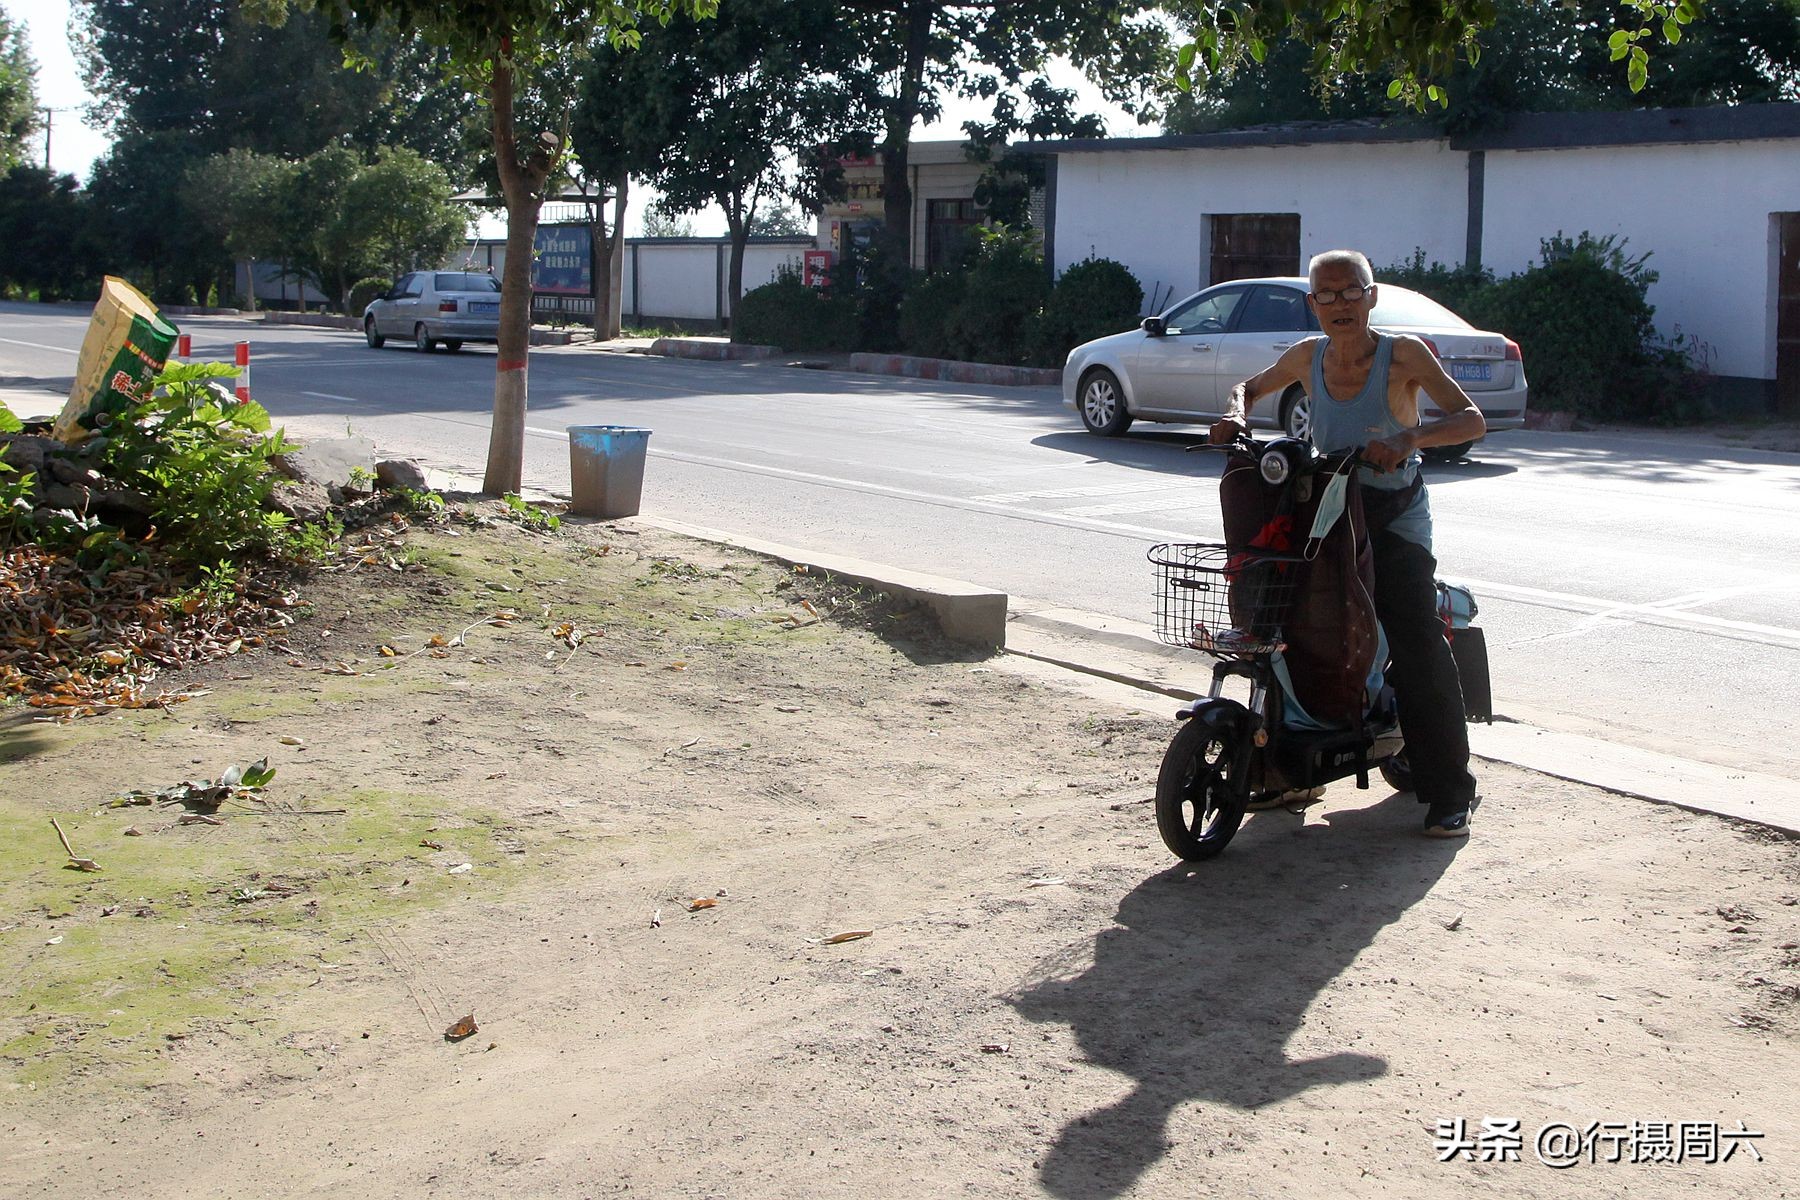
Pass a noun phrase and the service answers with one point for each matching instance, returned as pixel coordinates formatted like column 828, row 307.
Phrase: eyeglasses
column 1349, row 295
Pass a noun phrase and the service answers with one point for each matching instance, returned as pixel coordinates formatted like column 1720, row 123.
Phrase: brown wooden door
column 1787, row 319
column 1253, row 245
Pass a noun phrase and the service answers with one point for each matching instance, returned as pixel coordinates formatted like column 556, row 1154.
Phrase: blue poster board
column 563, row 264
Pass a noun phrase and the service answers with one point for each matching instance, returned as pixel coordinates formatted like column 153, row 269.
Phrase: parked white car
column 428, row 307
column 1182, row 365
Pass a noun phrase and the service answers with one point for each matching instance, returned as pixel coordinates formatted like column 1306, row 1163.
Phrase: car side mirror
column 1154, row 326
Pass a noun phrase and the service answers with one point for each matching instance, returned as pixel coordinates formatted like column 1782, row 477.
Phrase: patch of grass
column 262, row 899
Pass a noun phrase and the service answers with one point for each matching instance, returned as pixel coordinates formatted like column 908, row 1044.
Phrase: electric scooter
column 1232, row 603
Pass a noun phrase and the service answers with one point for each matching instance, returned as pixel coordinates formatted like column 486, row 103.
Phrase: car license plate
column 1472, row 372
column 483, row 306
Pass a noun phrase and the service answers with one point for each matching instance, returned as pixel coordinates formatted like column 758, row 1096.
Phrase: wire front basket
column 1226, row 602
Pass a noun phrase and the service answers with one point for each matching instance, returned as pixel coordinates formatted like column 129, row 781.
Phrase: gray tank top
column 1366, row 417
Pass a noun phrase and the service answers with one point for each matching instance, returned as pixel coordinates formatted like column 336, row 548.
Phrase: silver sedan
column 428, row 307
column 1180, row 366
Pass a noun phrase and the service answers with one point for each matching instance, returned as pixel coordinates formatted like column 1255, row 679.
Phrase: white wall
column 1701, row 210
column 1147, row 208
column 688, row 280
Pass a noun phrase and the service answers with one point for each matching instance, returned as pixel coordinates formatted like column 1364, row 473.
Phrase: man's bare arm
column 1462, row 421
column 1289, row 369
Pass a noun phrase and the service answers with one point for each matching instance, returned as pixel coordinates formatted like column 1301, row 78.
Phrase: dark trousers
column 1422, row 673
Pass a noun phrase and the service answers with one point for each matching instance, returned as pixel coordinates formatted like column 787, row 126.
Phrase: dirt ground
column 1045, row 1003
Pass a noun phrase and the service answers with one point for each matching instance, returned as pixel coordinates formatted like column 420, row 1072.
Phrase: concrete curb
column 539, row 337
column 993, row 374
column 715, row 349
column 1126, row 652
column 966, row 613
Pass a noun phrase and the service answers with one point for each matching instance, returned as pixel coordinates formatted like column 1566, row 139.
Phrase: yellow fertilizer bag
column 126, row 345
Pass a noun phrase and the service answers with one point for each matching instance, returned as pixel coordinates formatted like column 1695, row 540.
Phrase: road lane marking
column 329, row 396
column 1644, row 614
column 38, row 346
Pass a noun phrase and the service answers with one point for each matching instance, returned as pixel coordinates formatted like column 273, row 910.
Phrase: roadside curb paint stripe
column 509, row 364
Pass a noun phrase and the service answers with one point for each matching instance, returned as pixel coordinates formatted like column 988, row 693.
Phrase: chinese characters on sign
column 1563, row 1144
column 563, row 260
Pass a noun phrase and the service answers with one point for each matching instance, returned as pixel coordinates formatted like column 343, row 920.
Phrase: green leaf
column 257, row 774
column 1259, row 50
column 1671, row 32
column 1185, row 59
column 1618, row 39
column 9, row 421
column 1394, row 89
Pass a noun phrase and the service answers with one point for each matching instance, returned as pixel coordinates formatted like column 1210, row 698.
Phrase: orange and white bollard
column 184, row 345
column 243, row 378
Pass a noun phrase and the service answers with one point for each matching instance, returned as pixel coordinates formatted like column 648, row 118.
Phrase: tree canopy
column 730, row 111
column 490, row 47
column 331, row 217
column 18, row 93
column 1539, row 56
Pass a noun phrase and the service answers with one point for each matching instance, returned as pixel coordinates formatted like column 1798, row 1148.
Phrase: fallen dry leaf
column 431, row 845
column 849, row 936
column 464, row 1027
column 387, row 651
column 703, row 902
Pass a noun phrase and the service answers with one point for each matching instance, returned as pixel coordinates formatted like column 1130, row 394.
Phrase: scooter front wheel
column 1200, row 795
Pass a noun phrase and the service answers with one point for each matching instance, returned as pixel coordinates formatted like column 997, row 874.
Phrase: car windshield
column 466, row 281
column 1397, row 306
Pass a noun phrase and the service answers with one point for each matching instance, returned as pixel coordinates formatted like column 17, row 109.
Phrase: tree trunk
column 739, row 226
column 521, row 183
column 616, row 257
column 896, row 187
column 600, row 264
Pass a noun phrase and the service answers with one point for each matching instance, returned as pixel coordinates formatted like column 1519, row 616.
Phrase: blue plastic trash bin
column 606, row 469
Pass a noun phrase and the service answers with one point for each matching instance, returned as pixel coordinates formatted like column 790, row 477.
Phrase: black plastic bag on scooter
column 1330, row 627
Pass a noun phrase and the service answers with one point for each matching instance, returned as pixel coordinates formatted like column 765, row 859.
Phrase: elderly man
column 1364, row 389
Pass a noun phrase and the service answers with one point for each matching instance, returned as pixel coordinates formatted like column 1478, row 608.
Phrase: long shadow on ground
column 1196, row 990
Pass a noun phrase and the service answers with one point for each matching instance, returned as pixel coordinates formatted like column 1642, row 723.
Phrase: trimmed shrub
column 1456, row 288
column 1094, row 298
column 928, row 312
column 1583, row 321
column 1004, row 290
column 365, row 290
column 787, row 313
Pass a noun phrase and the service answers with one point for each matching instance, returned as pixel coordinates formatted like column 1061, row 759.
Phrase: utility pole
column 49, row 120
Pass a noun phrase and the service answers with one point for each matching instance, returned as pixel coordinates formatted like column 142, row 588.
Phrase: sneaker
column 1292, row 798
column 1449, row 820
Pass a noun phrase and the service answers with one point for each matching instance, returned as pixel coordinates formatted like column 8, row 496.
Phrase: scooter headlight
column 1275, row 468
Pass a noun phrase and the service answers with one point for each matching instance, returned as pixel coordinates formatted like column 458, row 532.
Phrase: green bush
column 1584, row 323
column 202, row 458
column 1005, row 289
column 985, row 309
column 928, row 311
column 1457, row 288
column 787, row 313
column 1094, row 298
column 365, row 290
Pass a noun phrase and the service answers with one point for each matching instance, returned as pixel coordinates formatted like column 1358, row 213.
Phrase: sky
column 74, row 146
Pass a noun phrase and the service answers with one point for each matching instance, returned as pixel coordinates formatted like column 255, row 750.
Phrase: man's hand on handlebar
column 1227, row 430
column 1388, row 453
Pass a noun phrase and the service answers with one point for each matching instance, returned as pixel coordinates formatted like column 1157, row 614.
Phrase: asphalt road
column 1639, row 586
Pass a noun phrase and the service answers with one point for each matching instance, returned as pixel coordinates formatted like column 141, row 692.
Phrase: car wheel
column 376, row 341
column 1296, row 413
column 423, row 340
column 1446, row 454
column 1102, row 404
column 453, row 344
